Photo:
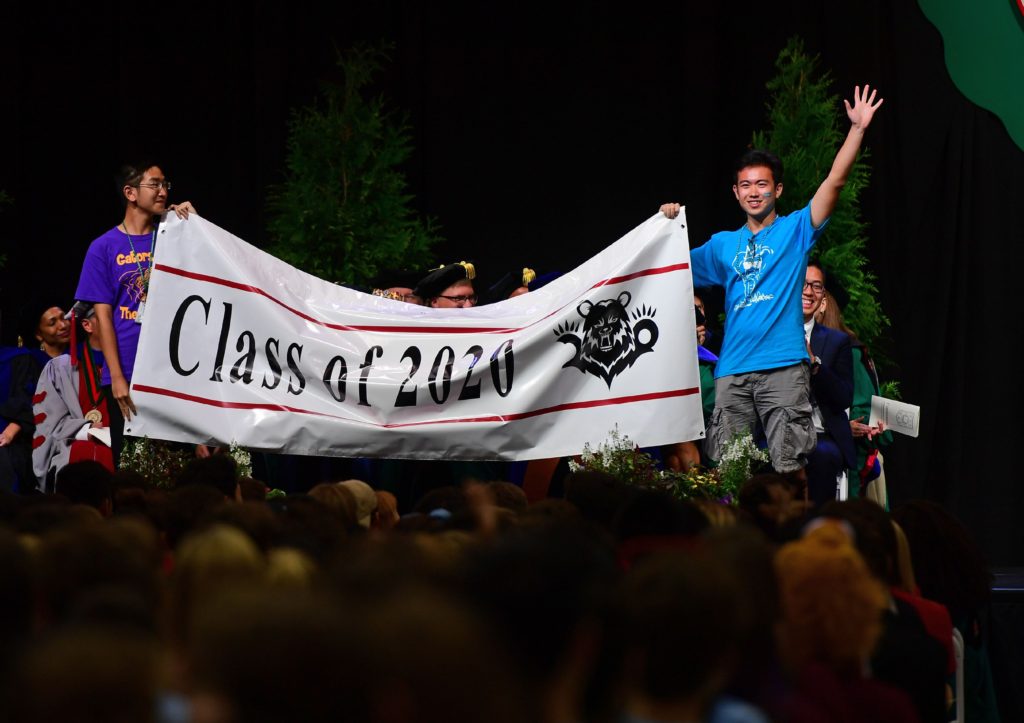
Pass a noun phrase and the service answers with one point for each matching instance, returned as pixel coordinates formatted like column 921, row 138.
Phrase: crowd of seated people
column 213, row 601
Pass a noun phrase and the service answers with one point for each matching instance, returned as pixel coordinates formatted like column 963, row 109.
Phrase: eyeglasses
column 461, row 299
column 816, row 286
column 166, row 185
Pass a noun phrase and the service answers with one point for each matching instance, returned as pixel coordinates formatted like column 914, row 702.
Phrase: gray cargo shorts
column 778, row 398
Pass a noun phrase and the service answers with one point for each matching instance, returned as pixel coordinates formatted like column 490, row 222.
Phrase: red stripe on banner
column 561, row 408
column 638, row 274
column 402, row 329
column 651, row 396
column 227, row 405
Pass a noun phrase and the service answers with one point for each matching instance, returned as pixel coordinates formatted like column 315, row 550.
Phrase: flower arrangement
column 243, row 460
column 158, row 461
column 740, row 459
column 620, row 457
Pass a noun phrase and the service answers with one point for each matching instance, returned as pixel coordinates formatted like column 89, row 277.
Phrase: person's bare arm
column 112, row 358
column 860, row 115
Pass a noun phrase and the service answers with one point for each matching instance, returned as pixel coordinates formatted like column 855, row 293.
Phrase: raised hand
column 863, row 108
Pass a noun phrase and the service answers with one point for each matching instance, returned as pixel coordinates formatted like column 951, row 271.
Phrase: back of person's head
column 208, row 562
column 949, row 565
column 597, row 495
column 904, row 562
column 551, row 511
column 831, row 602
column 412, row 654
column 131, row 492
column 679, row 619
column 365, row 501
column 253, row 490
column 243, row 637
column 449, row 498
column 373, row 566
column 16, row 571
column 184, row 508
column 39, row 514
column 539, row 586
column 88, row 675
column 217, row 471
column 772, row 503
column 289, row 568
column 874, row 537
column 755, row 157
column 86, row 483
column 745, row 550
column 654, row 513
column 87, row 571
column 387, row 510
column 255, row 519
column 341, row 500
column 438, row 651
column 309, row 525
column 508, row 496
column 747, row 554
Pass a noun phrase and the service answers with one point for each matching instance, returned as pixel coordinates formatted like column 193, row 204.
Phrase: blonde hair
column 904, row 563
column 290, row 568
column 831, row 603
column 209, row 562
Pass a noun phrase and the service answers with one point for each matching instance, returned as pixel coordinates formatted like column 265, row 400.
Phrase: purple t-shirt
column 113, row 274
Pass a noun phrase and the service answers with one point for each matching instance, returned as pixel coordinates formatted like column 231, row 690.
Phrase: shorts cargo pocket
column 798, row 440
column 714, row 430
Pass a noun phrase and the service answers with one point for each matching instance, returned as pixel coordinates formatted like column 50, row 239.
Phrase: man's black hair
column 217, row 471
column 755, row 157
column 131, row 174
column 85, row 482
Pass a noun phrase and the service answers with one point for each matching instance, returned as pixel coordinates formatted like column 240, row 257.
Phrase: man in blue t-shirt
column 115, row 278
column 764, row 369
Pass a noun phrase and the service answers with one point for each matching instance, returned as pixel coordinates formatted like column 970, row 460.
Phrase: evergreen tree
column 343, row 212
column 805, row 131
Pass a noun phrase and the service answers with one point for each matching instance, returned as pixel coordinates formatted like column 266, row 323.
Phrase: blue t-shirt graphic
column 763, row 275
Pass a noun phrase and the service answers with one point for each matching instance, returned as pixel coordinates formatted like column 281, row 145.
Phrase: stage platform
column 1006, row 641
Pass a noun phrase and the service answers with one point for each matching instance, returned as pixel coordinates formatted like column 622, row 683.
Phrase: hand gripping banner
column 239, row 347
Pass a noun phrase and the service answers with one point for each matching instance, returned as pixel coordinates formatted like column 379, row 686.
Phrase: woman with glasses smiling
column 115, row 278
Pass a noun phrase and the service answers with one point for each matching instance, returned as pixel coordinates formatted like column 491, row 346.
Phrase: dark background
column 542, row 134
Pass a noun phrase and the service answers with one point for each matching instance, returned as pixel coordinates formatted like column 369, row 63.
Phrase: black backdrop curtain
column 541, row 135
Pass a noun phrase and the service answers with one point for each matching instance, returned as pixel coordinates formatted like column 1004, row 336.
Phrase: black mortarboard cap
column 440, row 279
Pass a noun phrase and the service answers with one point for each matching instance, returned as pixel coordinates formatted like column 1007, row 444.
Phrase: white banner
column 237, row 346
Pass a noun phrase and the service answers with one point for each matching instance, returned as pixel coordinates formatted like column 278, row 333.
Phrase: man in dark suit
column 831, row 394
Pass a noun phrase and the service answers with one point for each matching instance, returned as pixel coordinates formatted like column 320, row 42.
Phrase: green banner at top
column 984, row 49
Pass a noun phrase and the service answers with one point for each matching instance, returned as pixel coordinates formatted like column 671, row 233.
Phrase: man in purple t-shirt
column 115, row 278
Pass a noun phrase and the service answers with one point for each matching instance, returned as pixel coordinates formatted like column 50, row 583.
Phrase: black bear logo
column 609, row 344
